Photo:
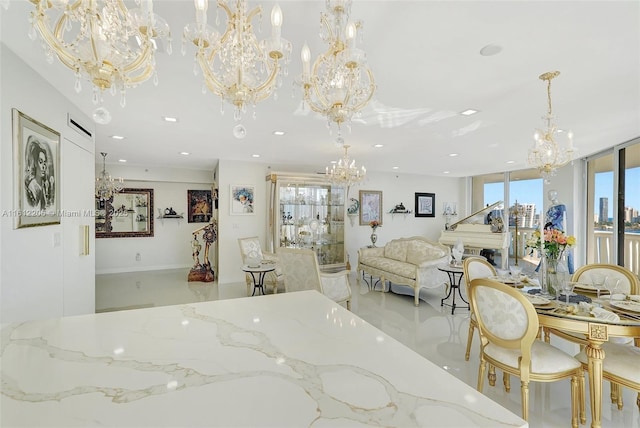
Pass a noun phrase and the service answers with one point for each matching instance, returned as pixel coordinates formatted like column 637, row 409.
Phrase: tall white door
column 78, row 225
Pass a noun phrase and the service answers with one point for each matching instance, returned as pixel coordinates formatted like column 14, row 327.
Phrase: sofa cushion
column 386, row 264
column 396, row 250
column 420, row 251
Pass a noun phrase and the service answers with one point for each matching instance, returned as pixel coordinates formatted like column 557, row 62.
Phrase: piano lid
column 480, row 214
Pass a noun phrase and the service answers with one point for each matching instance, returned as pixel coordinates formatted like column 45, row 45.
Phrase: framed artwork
column 36, row 168
column 425, row 204
column 370, row 206
column 242, row 199
column 199, row 206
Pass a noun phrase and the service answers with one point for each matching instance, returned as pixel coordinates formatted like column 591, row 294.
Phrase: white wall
column 170, row 247
column 398, row 188
column 32, row 260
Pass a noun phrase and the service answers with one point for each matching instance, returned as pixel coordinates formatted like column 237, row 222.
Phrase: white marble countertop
column 285, row 360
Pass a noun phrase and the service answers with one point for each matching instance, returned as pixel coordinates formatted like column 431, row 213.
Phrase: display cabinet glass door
column 311, row 215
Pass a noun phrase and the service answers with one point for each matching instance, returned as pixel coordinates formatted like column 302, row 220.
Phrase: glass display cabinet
column 307, row 212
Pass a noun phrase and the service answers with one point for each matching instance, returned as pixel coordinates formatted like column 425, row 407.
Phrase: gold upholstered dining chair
column 620, row 361
column 508, row 326
column 474, row 267
column 250, row 248
column 301, row 271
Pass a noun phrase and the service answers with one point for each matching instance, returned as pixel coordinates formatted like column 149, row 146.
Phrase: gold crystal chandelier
column 345, row 173
column 106, row 186
column 102, row 40
column 236, row 66
column 546, row 155
column 340, row 83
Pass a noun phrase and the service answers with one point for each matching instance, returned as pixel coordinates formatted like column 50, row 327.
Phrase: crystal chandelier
column 103, row 41
column 235, row 65
column 546, row 155
column 340, row 83
column 345, row 173
column 106, row 186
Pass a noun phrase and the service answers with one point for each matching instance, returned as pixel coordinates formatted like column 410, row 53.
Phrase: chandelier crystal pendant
column 235, row 65
column 106, row 186
column 546, row 154
column 103, row 41
column 345, row 173
column 340, row 83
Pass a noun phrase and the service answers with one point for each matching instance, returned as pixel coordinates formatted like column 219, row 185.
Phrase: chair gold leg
column 575, row 397
column 524, row 393
column 469, row 339
column 481, row 374
column 506, row 380
column 492, row 375
column 614, row 392
column 582, row 398
column 638, row 401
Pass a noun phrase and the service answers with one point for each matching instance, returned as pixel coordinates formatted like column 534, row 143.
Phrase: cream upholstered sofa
column 408, row 261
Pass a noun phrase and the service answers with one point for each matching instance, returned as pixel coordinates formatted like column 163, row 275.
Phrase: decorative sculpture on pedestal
column 203, row 272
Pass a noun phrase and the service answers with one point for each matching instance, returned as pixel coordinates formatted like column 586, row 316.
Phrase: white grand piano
column 476, row 235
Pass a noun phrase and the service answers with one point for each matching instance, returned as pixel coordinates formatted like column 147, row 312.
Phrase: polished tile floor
column 429, row 329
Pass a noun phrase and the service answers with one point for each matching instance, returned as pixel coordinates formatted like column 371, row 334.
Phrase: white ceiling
column 426, row 61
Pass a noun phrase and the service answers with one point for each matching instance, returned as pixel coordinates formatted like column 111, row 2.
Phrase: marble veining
column 294, row 359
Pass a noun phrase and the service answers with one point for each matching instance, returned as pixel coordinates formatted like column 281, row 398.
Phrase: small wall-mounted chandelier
column 340, row 83
column 345, row 173
column 102, row 41
column 546, row 155
column 106, row 186
column 235, row 65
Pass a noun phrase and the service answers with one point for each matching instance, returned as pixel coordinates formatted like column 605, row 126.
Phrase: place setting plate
column 626, row 305
column 538, row 301
column 507, row 280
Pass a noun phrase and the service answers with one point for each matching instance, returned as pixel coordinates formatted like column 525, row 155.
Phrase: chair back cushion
column 475, row 267
column 396, row 250
column 629, row 283
column 299, row 269
column 503, row 316
column 248, row 246
column 419, row 251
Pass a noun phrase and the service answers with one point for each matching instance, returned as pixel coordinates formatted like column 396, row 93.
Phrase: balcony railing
column 603, row 249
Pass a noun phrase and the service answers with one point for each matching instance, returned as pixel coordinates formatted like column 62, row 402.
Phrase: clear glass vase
column 556, row 272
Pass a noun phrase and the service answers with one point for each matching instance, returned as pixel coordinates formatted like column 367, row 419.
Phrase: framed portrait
column 242, row 199
column 199, row 206
column 36, row 168
column 370, row 206
column 425, row 204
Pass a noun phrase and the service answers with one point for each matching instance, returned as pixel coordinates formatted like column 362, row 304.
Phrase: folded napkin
column 618, row 297
column 603, row 314
column 634, row 297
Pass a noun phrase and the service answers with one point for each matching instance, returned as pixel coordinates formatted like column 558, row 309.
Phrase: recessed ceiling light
column 395, row 167
column 511, row 161
column 377, row 146
column 333, row 161
column 446, row 172
column 453, row 155
column 279, row 133
column 469, row 112
column 185, row 153
column 170, row 119
column 117, row 137
column 490, row 50
column 255, row 156
column 122, row 160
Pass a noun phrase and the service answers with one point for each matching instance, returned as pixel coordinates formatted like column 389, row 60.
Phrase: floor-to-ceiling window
column 613, row 223
column 522, row 193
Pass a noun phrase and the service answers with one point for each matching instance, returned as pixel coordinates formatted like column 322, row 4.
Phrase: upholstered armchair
column 508, row 326
column 249, row 249
column 301, row 271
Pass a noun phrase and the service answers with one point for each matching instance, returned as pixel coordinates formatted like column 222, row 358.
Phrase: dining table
column 597, row 329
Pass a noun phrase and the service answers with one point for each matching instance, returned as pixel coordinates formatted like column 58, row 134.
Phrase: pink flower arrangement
column 555, row 242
